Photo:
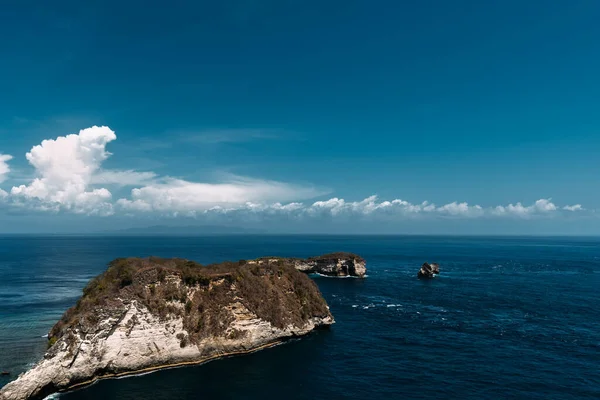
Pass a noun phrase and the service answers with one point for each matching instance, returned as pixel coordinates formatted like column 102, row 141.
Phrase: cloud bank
column 372, row 207
column 70, row 178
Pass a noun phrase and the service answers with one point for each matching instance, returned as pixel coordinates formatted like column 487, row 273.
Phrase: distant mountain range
column 186, row 230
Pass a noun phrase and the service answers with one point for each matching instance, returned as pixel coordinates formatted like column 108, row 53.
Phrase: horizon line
column 137, row 234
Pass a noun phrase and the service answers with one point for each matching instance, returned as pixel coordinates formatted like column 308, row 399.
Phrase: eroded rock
column 428, row 271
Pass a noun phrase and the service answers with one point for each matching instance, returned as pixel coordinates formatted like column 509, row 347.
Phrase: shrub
column 52, row 341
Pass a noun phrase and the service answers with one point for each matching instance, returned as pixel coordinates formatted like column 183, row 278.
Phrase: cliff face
column 334, row 264
column 145, row 314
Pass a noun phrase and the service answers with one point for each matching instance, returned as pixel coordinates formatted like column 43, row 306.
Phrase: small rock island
column 428, row 271
column 146, row 314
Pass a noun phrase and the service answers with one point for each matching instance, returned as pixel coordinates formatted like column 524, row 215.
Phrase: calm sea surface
column 507, row 318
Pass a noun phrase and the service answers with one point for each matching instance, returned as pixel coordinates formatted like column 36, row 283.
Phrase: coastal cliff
column 334, row 264
column 146, row 314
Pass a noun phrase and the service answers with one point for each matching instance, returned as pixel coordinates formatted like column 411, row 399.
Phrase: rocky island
column 146, row 314
column 428, row 271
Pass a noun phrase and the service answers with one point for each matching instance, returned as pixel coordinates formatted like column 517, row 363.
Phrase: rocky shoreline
column 143, row 315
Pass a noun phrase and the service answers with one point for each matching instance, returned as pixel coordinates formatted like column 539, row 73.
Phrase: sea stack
column 428, row 271
column 147, row 314
column 334, row 264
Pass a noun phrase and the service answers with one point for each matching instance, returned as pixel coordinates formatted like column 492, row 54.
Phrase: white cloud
column 4, row 168
column 544, row 205
column 256, row 209
column 334, row 206
column 461, row 209
column 180, row 196
column 123, row 178
column 541, row 206
column 576, row 207
column 65, row 167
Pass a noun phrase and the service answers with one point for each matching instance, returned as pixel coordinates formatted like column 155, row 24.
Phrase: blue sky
column 289, row 114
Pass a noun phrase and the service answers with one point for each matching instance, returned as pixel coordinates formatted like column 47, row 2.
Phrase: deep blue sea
column 509, row 317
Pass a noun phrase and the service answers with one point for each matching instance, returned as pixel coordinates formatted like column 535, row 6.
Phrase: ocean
column 508, row 317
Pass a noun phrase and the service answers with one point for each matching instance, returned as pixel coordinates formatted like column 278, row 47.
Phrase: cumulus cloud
column 4, row 168
column 64, row 167
column 462, row 209
column 575, row 207
column 542, row 206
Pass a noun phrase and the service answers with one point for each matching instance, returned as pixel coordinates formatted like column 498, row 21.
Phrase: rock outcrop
column 334, row 264
column 428, row 271
column 146, row 314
